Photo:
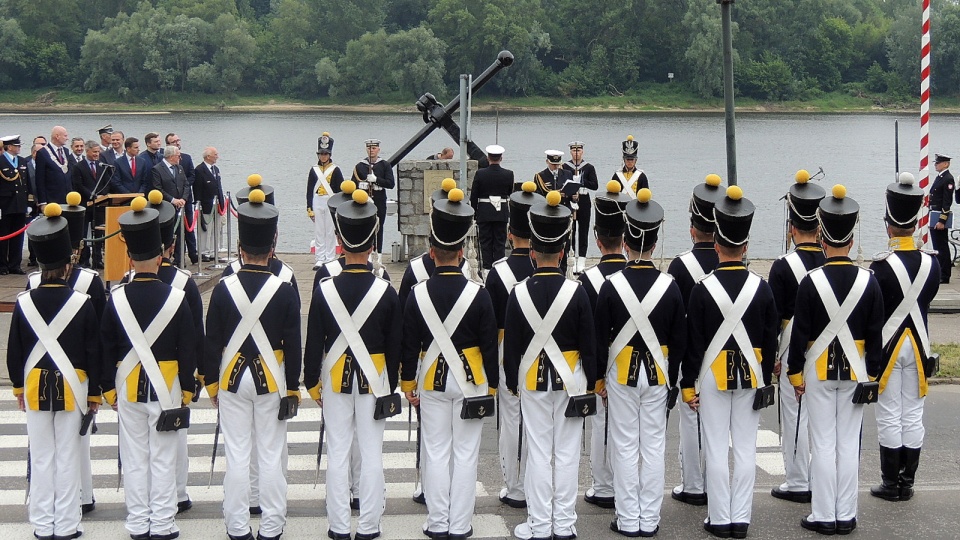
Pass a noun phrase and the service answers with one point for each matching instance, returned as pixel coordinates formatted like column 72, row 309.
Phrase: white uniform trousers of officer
column 549, row 435
column 509, row 442
column 255, row 470
column 835, row 446
column 55, row 470
column 149, row 465
column 349, row 417
column 638, row 432
column 451, row 449
column 797, row 468
column 900, row 407
column 183, row 465
column 86, row 472
column 691, row 439
column 601, row 467
column 325, row 237
column 238, row 412
column 728, row 415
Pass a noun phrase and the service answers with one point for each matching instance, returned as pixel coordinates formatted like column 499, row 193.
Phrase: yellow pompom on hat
column 455, row 195
column 448, row 184
column 255, row 183
column 138, row 204
column 704, row 198
column 554, row 198
column 644, row 195
column 141, row 230
column 52, row 210
column 613, row 186
column 49, row 239
column 839, row 191
column 450, row 221
column 254, row 180
column 519, row 205
column 643, row 218
column 360, row 196
column 733, row 216
column 838, row 216
column 609, row 206
column 803, row 198
column 549, row 224
column 802, row 176
column 713, row 180
column 529, row 186
column 734, row 193
column 257, row 197
column 74, row 198
column 355, row 220
column 155, row 196
column 348, row 186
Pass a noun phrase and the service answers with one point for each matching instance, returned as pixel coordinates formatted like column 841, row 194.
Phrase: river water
column 676, row 151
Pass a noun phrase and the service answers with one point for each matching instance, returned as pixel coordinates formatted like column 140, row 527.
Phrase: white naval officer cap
column 494, row 149
column 372, row 142
column 554, row 156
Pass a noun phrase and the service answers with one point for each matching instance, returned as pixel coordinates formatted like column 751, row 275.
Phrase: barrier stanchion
column 198, row 217
column 221, row 209
column 228, row 205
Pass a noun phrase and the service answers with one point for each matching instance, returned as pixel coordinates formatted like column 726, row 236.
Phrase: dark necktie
column 60, row 154
column 93, row 170
column 216, row 172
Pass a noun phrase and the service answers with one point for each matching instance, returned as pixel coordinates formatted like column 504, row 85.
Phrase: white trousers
column 900, row 407
column 450, row 449
column 347, row 418
column 601, row 466
column 691, row 440
column 238, row 412
column 149, row 466
column 183, row 465
column 835, row 424
column 205, row 238
column 508, row 407
column 325, row 240
column 550, row 436
column 638, row 427
column 729, row 416
column 86, row 472
column 55, row 471
column 797, row 468
column 255, row 469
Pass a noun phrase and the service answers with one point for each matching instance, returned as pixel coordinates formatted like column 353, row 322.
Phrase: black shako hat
column 520, row 203
column 630, row 148
column 733, row 215
column 168, row 215
column 141, row 231
column 257, row 223
column 609, row 220
column 803, row 199
column 904, row 200
column 450, row 221
column 254, row 182
column 643, row 219
column 325, row 144
column 74, row 214
column 838, row 216
column 356, row 221
column 704, row 198
column 345, row 195
column 549, row 224
column 446, row 186
column 49, row 239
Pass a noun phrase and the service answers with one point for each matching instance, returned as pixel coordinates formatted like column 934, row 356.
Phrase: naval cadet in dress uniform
column 55, row 373
column 687, row 269
column 732, row 325
column 88, row 282
column 14, row 192
column 609, row 232
column 449, row 370
column 375, row 175
column 803, row 199
column 501, row 280
column 941, row 197
column 835, row 354
column 149, row 358
column 352, row 357
column 556, row 178
column 549, row 358
column 630, row 177
column 252, row 364
column 909, row 281
column 491, row 189
column 584, row 174
column 323, row 181
column 641, row 335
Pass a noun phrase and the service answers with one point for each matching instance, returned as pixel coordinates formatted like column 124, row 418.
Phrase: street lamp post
column 726, row 6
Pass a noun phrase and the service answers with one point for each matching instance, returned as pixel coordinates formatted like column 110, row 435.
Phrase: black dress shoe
column 206, row 258
column 720, row 531
column 355, row 503
column 76, row 534
column 695, row 499
column 18, row 271
column 141, row 536
column 792, row 496
column 629, row 534
column 262, row 537
column 739, row 530
column 602, row 502
column 564, row 536
column 4, row 271
column 513, row 503
column 846, row 526
column 367, row 536
column 436, row 535
column 256, row 510
column 886, row 493
column 419, row 498
column 337, row 536
column 827, row 528
column 43, row 537
column 461, row 536
column 168, row 536
column 87, row 508
column 248, row 536
column 31, row 263
column 183, row 506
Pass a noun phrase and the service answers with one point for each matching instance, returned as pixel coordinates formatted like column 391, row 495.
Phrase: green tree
column 770, row 78
column 903, row 50
column 13, row 41
column 704, row 57
column 829, row 52
column 208, row 10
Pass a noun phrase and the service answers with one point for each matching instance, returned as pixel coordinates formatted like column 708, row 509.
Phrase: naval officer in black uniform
column 13, row 204
column 941, row 196
column 491, row 189
column 584, row 174
column 834, row 357
column 375, row 175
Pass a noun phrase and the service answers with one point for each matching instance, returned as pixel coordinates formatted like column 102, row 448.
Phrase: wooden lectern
column 115, row 263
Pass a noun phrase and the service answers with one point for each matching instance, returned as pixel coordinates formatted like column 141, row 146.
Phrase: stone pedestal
column 417, row 180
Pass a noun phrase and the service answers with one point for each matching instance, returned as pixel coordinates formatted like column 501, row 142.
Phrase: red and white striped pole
column 924, row 222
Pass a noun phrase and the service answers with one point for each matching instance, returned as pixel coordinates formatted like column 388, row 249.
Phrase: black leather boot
column 910, row 461
column 889, row 488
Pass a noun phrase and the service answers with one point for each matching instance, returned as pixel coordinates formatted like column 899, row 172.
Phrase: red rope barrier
column 14, row 234
column 186, row 223
column 222, row 208
column 234, row 212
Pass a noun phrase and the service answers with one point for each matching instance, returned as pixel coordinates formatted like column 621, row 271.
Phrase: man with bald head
column 53, row 169
column 208, row 191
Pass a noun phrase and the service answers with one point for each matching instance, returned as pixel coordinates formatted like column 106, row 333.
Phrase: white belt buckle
column 364, row 186
column 584, row 191
column 496, row 201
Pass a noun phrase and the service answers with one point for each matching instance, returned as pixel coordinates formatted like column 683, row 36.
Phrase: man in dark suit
column 115, row 150
column 129, row 176
column 941, row 195
column 53, row 169
column 169, row 178
column 91, row 178
column 13, row 204
column 489, row 194
column 76, row 150
column 186, row 163
column 208, row 191
column 151, row 155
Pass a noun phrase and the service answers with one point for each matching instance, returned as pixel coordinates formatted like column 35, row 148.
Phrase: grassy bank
column 657, row 98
